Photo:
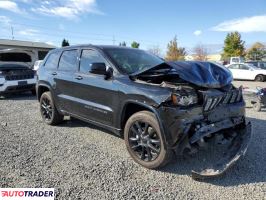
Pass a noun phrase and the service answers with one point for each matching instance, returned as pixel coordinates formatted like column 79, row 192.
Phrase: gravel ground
column 84, row 162
column 250, row 84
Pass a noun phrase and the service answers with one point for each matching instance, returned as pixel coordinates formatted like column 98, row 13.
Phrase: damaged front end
column 221, row 115
column 202, row 107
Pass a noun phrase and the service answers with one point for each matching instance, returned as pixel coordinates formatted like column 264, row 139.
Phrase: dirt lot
column 84, row 162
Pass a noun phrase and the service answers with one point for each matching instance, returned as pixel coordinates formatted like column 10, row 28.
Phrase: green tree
column 233, row 45
column 256, row 52
column 123, row 44
column 134, row 44
column 65, row 43
column 174, row 52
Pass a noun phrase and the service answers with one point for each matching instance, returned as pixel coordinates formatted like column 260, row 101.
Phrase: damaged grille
column 19, row 75
column 214, row 98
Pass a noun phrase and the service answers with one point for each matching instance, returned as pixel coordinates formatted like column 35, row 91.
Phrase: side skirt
column 110, row 128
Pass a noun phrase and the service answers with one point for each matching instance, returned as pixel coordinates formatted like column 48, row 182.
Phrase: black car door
column 96, row 98
column 64, row 79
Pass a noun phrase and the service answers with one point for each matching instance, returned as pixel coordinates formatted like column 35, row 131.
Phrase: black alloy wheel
column 144, row 141
column 48, row 110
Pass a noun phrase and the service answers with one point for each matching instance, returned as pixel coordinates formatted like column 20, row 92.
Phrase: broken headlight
column 184, row 100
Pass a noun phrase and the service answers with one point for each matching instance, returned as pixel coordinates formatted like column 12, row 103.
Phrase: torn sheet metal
column 203, row 74
column 237, row 149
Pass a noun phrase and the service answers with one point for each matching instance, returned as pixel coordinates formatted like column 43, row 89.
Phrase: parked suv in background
column 159, row 107
column 258, row 64
column 16, row 74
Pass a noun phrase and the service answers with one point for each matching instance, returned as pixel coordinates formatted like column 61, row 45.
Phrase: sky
column 152, row 23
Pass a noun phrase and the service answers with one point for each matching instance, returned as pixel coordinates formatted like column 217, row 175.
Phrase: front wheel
column 144, row 140
column 48, row 110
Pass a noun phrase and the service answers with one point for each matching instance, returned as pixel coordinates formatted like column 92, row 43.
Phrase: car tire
column 48, row 110
column 257, row 106
column 145, row 142
column 259, row 78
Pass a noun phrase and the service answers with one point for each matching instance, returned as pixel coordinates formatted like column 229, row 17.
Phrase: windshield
column 133, row 60
column 15, row 57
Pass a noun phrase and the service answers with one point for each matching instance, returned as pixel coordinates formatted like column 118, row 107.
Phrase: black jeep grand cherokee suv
column 159, row 107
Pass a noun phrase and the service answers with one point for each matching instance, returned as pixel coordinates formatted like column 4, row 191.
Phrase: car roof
column 102, row 47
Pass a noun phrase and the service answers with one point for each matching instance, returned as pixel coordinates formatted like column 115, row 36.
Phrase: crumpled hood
column 203, row 74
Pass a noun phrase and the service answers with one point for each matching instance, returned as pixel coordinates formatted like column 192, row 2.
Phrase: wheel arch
column 132, row 107
column 41, row 89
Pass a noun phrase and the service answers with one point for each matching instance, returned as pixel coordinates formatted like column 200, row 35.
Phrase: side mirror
column 109, row 73
column 98, row 68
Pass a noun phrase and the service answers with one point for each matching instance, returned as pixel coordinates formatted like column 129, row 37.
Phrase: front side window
column 88, row 57
column 68, row 60
column 133, row 60
column 52, row 60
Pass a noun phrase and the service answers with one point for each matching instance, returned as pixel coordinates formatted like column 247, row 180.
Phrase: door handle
column 54, row 73
column 79, row 77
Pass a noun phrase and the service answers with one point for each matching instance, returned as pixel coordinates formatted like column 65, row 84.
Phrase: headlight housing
column 184, row 99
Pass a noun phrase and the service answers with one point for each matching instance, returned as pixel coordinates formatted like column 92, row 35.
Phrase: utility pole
column 12, row 32
column 114, row 40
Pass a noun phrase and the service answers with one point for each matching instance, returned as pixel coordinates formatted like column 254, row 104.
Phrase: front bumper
column 184, row 129
column 15, row 86
column 237, row 149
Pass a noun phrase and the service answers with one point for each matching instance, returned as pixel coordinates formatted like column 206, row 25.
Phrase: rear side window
column 245, row 67
column 52, row 60
column 88, row 57
column 234, row 66
column 68, row 60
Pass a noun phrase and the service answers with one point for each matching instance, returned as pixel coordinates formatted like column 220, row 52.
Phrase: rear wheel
column 144, row 140
column 259, row 78
column 48, row 110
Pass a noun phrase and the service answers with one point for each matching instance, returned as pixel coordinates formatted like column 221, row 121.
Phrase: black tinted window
column 52, row 60
column 68, row 60
column 88, row 57
column 42, row 54
column 15, row 57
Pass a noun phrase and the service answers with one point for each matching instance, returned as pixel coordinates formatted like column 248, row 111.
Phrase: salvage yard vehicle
column 161, row 108
column 258, row 64
column 16, row 74
column 245, row 71
column 255, row 98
